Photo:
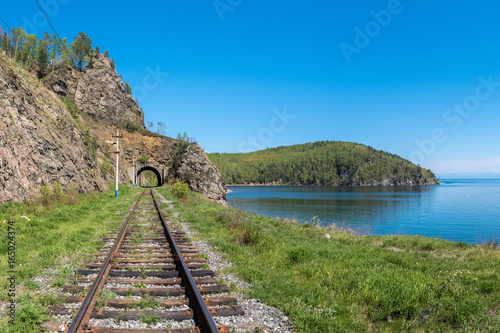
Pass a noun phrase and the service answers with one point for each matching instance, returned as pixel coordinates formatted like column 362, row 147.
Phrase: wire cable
column 6, row 25
column 8, row 42
column 47, row 18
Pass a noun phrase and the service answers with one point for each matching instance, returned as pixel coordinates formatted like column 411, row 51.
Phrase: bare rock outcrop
column 39, row 140
column 201, row 174
column 97, row 91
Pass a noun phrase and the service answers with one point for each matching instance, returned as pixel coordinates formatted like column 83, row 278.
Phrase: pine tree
column 29, row 50
column 81, row 51
column 55, row 54
column 106, row 53
column 65, row 52
column 127, row 88
column 5, row 42
column 42, row 58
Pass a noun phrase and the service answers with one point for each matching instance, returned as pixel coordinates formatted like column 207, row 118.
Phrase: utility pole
column 133, row 170
column 117, row 152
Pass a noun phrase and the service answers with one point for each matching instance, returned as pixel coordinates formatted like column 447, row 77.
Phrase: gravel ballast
column 268, row 318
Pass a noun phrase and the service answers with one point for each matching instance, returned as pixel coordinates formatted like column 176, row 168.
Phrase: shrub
column 250, row 235
column 180, row 190
column 429, row 246
column 106, row 168
column 46, row 196
column 71, row 107
column 91, row 143
column 144, row 158
column 150, row 319
column 57, row 192
column 30, row 316
column 54, row 195
column 132, row 126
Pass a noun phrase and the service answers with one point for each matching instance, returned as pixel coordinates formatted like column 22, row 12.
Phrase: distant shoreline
column 271, row 185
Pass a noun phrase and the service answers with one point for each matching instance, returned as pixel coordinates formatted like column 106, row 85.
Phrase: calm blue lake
column 459, row 210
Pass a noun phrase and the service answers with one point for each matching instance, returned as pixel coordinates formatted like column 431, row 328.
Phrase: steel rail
column 79, row 324
column 200, row 310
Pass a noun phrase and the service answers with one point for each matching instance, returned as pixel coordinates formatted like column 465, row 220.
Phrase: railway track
column 148, row 279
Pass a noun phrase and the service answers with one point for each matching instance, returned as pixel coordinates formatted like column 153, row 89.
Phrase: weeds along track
column 148, row 279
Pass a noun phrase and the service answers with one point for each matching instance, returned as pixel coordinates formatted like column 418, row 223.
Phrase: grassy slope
column 63, row 234
column 355, row 283
column 318, row 163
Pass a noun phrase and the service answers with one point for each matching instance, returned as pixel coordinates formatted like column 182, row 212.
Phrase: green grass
column 62, row 235
column 147, row 301
column 352, row 283
column 150, row 319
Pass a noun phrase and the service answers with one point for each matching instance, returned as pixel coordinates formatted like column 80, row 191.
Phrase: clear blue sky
column 234, row 67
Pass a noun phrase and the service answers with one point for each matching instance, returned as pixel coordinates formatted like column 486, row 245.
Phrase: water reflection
column 458, row 210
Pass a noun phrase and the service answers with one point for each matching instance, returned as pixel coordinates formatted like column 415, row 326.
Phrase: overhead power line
column 6, row 24
column 47, row 18
column 7, row 46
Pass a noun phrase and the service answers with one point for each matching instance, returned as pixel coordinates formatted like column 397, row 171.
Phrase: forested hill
column 321, row 163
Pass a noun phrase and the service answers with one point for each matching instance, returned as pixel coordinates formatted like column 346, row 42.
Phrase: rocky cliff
column 40, row 142
column 64, row 134
column 184, row 161
column 97, row 91
column 200, row 173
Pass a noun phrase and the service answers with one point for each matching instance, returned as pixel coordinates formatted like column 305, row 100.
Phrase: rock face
column 189, row 164
column 42, row 142
column 201, row 174
column 39, row 141
column 97, row 91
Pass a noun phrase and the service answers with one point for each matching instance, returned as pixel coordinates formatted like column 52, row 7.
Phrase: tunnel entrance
column 152, row 176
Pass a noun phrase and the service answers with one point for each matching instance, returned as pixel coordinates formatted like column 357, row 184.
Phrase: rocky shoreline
column 387, row 184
